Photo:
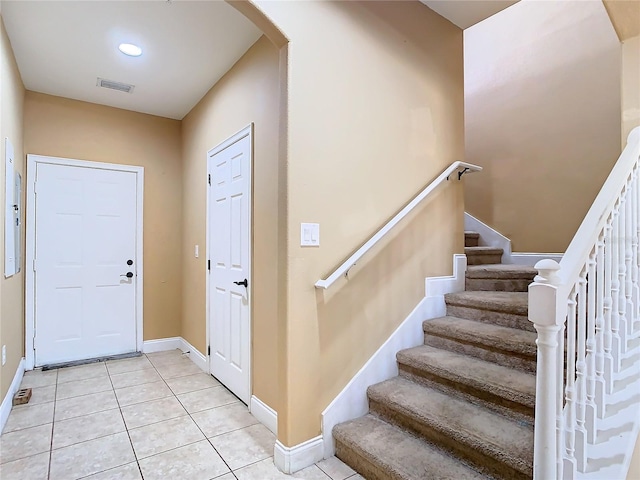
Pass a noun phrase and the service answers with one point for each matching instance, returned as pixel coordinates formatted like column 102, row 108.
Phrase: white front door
column 229, row 256
column 85, row 263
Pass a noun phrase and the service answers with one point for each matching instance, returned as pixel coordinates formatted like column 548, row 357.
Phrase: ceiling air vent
column 121, row 87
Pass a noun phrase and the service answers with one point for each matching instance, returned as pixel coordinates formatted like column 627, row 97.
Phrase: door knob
column 128, row 275
column 244, row 282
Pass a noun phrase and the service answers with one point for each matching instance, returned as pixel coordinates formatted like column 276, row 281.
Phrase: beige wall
column 61, row 127
column 11, row 289
column 375, row 111
column 542, row 116
column 249, row 92
column 630, row 86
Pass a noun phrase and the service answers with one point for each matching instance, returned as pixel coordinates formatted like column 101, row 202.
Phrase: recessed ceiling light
column 130, row 49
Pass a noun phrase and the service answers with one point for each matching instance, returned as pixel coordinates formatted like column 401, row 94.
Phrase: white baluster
column 547, row 312
column 600, row 378
column 616, row 348
column 609, row 361
column 570, row 461
column 560, row 360
column 622, row 273
column 581, row 373
column 591, row 410
column 635, row 245
column 628, row 260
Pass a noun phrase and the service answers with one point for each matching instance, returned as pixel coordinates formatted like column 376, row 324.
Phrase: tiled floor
column 157, row 416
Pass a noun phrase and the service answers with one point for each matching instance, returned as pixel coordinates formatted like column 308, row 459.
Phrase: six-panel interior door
column 85, row 305
column 229, row 232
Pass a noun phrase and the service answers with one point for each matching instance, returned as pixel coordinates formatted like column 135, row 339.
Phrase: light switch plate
column 309, row 234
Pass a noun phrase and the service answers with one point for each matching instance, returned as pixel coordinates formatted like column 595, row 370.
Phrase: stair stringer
column 352, row 401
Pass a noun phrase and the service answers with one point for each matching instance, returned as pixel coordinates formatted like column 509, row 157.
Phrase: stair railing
column 456, row 167
column 591, row 300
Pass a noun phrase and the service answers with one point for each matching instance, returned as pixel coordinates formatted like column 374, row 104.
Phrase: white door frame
column 246, row 131
column 32, row 162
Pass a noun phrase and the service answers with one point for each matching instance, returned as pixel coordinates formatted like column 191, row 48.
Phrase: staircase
column 462, row 406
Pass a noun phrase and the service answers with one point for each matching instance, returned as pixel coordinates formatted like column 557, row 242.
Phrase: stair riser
column 510, row 408
column 497, row 285
column 483, row 352
column 471, row 241
column 483, row 259
column 488, row 316
column 365, row 465
column 477, row 456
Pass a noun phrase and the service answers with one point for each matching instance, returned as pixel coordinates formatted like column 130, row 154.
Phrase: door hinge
column 34, row 342
column 209, row 350
column 209, row 179
column 208, row 264
column 34, row 264
column 35, row 187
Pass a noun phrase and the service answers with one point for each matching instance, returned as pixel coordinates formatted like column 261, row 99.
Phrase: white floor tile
column 85, row 405
column 206, row 399
column 217, row 421
column 29, row 416
column 93, row 406
column 143, row 393
column 83, row 387
column 335, row 468
column 81, row 372
column 130, row 471
column 197, row 461
column 137, row 377
column 87, row 458
column 266, row 470
column 155, row 411
column 245, row 446
column 25, row 443
column 191, row 383
column 40, row 395
column 30, row 468
column 128, row 365
column 81, row 429
column 164, row 436
column 38, row 378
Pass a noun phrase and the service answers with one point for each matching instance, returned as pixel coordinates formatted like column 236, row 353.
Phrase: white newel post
column 547, row 311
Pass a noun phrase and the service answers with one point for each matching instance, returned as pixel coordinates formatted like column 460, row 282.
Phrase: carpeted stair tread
column 486, row 334
column 378, row 451
column 501, row 271
column 492, row 442
column 483, row 251
column 471, row 233
column 487, row 381
column 507, row 302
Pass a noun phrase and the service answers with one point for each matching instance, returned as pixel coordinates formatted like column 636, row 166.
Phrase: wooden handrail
column 456, row 167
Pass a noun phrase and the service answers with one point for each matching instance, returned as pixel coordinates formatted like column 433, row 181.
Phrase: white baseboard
column 291, row 459
column 162, row 344
column 352, row 401
column 437, row 286
column 492, row 238
column 265, row 414
column 7, row 401
column 194, row 354
column 530, row 259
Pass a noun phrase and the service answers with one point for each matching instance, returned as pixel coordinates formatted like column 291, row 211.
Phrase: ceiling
column 61, row 47
column 465, row 13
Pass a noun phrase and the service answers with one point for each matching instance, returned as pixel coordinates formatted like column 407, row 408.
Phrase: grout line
column 53, row 422
column 135, row 455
